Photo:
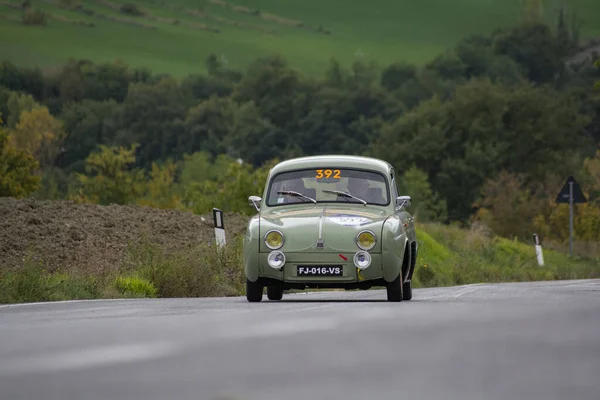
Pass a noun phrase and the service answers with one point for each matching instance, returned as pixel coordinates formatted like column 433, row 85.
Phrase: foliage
column 17, row 169
column 426, row 205
column 39, row 133
column 131, row 9
column 230, row 190
column 109, row 177
column 482, row 132
column 449, row 255
column 16, row 104
column 453, row 138
column 133, row 286
column 160, row 187
column 201, row 271
column 32, row 16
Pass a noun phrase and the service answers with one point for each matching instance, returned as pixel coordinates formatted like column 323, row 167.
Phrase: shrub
column 201, row 271
column 34, row 17
column 131, row 9
column 133, row 286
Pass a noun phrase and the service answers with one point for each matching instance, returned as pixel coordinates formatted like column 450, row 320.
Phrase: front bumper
column 350, row 273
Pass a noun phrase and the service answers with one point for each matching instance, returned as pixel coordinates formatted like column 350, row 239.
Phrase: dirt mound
column 93, row 237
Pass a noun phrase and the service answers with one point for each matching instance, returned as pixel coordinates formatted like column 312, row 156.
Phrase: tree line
column 487, row 131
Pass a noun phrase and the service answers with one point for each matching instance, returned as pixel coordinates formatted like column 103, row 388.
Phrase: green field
column 381, row 30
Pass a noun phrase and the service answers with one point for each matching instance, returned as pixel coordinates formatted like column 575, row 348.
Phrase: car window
column 367, row 185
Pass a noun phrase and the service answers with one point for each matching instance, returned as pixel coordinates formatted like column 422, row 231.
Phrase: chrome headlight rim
column 366, row 255
column 276, row 253
column 280, row 234
column 374, row 240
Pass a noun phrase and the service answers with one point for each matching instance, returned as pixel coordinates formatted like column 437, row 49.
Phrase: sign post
column 219, row 227
column 571, row 193
column 538, row 250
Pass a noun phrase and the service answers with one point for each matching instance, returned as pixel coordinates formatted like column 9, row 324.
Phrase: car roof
column 340, row 161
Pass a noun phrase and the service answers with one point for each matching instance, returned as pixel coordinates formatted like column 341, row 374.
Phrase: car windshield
column 328, row 184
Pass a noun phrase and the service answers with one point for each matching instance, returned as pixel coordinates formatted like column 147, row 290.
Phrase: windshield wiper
column 344, row 194
column 292, row 193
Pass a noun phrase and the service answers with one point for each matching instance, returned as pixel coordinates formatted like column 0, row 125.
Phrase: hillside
column 176, row 36
column 89, row 237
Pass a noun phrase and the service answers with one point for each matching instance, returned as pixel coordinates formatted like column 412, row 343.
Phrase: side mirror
column 402, row 201
column 254, row 201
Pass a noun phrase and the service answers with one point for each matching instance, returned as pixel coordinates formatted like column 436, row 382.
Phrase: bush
column 34, row 17
column 33, row 283
column 131, row 9
column 202, row 271
column 133, row 286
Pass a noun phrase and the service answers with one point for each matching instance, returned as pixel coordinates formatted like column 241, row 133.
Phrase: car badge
column 320, row 244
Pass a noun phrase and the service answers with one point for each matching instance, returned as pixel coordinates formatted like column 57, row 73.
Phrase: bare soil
column 66, row 235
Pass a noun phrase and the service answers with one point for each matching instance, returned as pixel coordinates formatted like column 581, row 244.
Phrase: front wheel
column 394, row 290
column 254, row 291
column 274, row 292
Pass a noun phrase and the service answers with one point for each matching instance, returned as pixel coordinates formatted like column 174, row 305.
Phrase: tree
column 16, row 104
column 110, row 177
column 39, row 133
column 508, row 206
column 483, row 129
column 17, row 169
column 161, row 187
column 425, row 203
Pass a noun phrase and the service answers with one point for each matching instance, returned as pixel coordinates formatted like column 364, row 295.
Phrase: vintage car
column 332, row 221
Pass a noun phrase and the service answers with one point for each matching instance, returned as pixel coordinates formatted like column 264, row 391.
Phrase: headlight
column 276, row 259
column 362, row 259
column 274, row 240
column 366, row 240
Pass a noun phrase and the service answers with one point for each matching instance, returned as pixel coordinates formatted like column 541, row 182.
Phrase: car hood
column 338, row 225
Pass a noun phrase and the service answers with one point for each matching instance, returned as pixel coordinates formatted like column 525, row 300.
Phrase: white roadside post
column 538, row 250
column 219, row 227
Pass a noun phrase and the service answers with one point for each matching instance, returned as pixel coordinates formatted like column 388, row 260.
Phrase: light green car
column 330, row 222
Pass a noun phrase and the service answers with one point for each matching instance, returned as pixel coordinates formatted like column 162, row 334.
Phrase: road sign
column 571, row 193
column 564, row 194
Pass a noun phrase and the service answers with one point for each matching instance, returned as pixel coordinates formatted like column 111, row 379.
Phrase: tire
column 394, row 290
column 274, row 292
column 254, row 291
column 407, row 291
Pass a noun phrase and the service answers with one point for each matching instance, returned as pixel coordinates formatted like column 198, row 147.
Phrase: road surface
column 502, row 341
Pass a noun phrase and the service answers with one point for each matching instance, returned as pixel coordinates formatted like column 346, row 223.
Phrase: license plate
column 320, row 270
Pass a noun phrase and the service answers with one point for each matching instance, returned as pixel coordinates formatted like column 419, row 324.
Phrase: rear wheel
column 254, row 291
column 407, row 290
column 394, row 290
column 274, row 292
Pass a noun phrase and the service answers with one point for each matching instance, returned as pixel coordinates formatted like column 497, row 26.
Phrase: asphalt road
column 507, row 341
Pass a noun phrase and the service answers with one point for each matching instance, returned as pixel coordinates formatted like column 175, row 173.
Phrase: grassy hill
column 175, row 36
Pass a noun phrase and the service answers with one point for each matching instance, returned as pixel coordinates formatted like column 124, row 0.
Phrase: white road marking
column 40, row 303
column 453, row 294
column 86, row 358
column 463, row 293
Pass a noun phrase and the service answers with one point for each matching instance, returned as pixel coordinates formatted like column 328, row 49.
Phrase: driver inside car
column 360, row 188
